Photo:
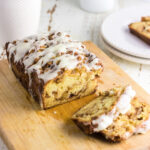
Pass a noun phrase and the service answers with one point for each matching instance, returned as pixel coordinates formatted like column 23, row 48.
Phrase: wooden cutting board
column 23, row 126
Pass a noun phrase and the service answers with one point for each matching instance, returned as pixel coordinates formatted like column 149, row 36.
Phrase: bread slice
column 146, row 18
column 54, row 68
column 100, row 112
column 136, row 121
column 141, row 29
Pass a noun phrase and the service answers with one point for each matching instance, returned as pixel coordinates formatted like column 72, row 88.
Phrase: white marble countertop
column 86, row 26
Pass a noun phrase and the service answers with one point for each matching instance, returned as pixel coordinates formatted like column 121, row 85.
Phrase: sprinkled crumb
column 55, row 112
column 2, row 54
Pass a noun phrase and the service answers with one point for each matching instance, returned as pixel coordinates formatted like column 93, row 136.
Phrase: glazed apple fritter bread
column 54, row 68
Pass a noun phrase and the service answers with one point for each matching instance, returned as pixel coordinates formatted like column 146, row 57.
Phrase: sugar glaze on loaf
column 47, row 47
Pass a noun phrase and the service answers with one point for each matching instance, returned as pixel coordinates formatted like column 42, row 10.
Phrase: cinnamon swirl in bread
column 54, row 68
column 99, row 114
column 117, row 114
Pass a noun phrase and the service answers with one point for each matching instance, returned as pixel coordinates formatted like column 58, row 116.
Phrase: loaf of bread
column 99, row 114
column 54, row 68
column 116, row 114
column 141, row 29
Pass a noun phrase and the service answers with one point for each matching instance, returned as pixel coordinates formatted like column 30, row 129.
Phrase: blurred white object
column 97, row 5
column 18, row 18
column 120, row 54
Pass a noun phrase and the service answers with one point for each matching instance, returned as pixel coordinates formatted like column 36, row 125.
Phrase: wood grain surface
column 23, row 126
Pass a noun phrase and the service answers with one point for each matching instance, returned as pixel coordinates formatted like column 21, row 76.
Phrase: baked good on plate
column 116, row 114
column 54, row 68
column 146, row 18
column 141, row 29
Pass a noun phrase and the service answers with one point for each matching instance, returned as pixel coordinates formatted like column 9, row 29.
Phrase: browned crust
column 88, row 128
column 116, row 139
column 37, row 85
column 136, row 33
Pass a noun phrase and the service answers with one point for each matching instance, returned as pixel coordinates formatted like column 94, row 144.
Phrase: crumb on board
column 2, row 54
column 55, row 112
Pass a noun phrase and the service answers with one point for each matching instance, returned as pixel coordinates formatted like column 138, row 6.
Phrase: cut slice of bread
column 100, row 113
column 136, row 121
column 141, row 29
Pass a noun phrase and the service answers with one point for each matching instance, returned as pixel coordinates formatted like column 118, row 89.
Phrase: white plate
column 125, row 56
column 115, row 31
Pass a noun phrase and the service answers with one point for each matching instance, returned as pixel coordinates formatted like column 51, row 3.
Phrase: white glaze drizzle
column 57, row 49
column 121, row 107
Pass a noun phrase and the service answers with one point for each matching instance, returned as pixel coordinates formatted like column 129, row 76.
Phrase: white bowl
column 97, row 5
